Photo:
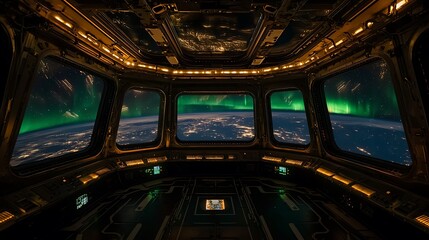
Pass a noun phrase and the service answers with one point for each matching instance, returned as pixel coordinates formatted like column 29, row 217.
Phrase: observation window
column 215, row 117
column 364, row 113
column 139, row 123
column 60, row 115
column 289, row 121
column 208, row 33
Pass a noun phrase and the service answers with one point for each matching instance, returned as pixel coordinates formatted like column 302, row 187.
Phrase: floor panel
column 216, row 208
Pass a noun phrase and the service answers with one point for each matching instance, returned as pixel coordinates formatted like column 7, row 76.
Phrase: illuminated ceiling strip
column 367, row 191
column 325, row 172
column 63, row 21
column 357, row 31
column 89, row 20
column 272, row 159
column 341, row 179
column 163, row 69
column 423, row 219
column 5, row 216
column 166, row 70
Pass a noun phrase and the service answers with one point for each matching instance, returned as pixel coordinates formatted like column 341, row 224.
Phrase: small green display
column 156, row 170
column 281, row 170
column 82, row 200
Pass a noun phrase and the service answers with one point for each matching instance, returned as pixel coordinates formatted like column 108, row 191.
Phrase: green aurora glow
column 366, row 91
column 61, row 95
column 64, row 95
column 199, row 103
column 140, row 103
column 289, row 100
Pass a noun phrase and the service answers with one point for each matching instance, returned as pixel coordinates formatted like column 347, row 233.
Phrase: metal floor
column 255, row 208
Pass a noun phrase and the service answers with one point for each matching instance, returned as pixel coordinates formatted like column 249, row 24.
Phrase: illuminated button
column 423, row 219
column 5, row 216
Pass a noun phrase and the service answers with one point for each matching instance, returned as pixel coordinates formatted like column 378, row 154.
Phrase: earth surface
column 370, row 137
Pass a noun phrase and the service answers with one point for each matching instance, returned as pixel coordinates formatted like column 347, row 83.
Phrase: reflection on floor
column 217, row 208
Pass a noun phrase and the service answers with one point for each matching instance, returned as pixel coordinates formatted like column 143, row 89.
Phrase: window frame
column 99, row 130
column 326, row 124
column 215, row 143
column 161, row 114
column 419, row 73
column 273, row 140
column 5, row 69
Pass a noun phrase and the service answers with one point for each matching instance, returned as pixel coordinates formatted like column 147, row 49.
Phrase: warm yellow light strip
column 93, row 175
column 106, row 49
column 325, row 172
column 89, row 178
column 82, row 34
column 368, row 192
column 61, row 20
column 86, row 179
column 211, row 71
column 156, row 159
column 231, row 157
column 357, row 31
column 344, row 180
column 102, row 171
column 5, row 216
column 400, row 4
column 134, row 162
column 341, row 41
column 272, row 159
column 214, row 157
column 293, row 162
column 423, row 219
column 194, row 157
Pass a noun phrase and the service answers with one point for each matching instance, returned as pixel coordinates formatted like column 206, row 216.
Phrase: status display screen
column 81, row 201
column 281, row 170
column 156, row 170
column 215, row 204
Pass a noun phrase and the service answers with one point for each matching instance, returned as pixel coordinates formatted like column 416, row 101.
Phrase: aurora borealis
column 364, row 113
column 140, row 103
column 215, row 117
column 366, row 91
column 139, row 117
column 288, row 117
column 287, row 100
column 60, row 114
column 61, row 95
column 204, row 103
column 64, row 103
